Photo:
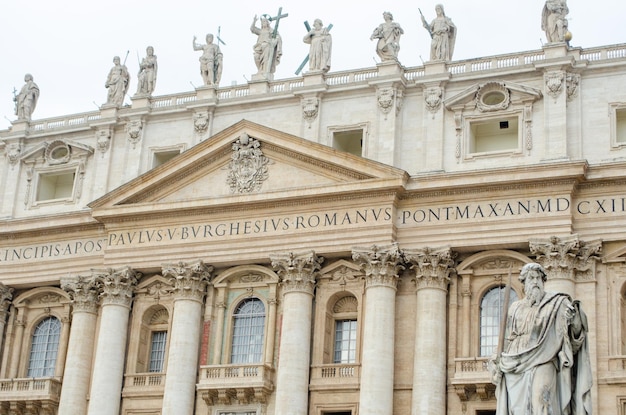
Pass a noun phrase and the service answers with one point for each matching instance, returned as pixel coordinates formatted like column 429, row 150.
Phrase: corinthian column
column 432, row 275
column 566, row 261
column 381, row 265
column 6, row 295
column 108, row 372
column 84, row 294
column 190, row 282
column 297, row 273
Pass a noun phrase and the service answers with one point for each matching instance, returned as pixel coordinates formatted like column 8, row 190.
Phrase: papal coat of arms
column 248, row 165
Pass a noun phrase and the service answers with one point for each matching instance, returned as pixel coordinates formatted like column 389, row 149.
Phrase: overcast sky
column 68, row 45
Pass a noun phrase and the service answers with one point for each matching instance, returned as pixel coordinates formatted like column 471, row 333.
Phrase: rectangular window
column 345, row 341
column 53, row 186
column 620, row 125
column 157, row 351
column 349, row 141
column 494, row 135
column 163, row 157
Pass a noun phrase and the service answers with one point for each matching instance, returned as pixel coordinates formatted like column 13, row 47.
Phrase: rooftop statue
column 26, row 100
column 543, row 367
column 147, row 73
column 443, row 34
column 268, row 47
column 321, row 45
column 388, row 35
column 554, row 21
column 210, row 61
column 117, row 83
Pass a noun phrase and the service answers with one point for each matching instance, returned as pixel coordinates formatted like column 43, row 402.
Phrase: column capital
column 566, row 258
column 83, row 291
column 117, row 285
column 297, row 271
column 6, row 295
column 381, row 264
column 432, row 266
column 188, row 279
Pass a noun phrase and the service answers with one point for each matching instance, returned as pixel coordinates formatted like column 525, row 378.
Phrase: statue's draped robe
column 545, row 367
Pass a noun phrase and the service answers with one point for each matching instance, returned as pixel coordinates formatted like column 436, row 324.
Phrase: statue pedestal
column 108, row 111
column 434, row 67
column 313, row 78
column 389, row 68
column 19, row 126
column 140, row 101
column 555, row 50
column 207, row 92
column 259, row 85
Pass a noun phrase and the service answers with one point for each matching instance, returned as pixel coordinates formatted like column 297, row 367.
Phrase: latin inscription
column 421, row 216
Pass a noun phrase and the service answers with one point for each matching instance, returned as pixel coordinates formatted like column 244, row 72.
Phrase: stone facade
column 316, row 245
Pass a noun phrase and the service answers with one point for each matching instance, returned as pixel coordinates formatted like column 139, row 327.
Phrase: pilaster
column 381, row 265
column 190, row 281
column 297, row 273
column 432, row 275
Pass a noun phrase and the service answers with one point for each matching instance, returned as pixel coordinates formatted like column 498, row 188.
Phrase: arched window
column 248, row 330
column 490, row 315
column 44, row 348
column 345, row 316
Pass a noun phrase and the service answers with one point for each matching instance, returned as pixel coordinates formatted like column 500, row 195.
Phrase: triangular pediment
column 246, row 163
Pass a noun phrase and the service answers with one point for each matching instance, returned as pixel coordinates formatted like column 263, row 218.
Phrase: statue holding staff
column 26, row 100
column 443, row 34
column 210, row 61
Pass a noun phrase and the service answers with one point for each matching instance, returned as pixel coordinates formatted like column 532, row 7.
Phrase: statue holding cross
column 321, row 45
column 269, row 45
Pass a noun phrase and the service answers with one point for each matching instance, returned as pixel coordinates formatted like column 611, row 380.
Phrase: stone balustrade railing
column 28, row 389
column 471, row 369
column 335, row 374
column 234, row 375
column 343, row 78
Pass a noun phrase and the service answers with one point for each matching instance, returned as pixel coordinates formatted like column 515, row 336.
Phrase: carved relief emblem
column 134, row 130
column 57, row 152
column 492, row 96
column 248, row 165
column 201, row 122
column 13, row 152
column 572, row 81
column 103, row 140
column 310, row 109
column 432, row 98
column 554, row 83
column 385, row 99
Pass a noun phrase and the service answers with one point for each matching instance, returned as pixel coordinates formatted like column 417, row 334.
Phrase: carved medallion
column 134, row 130
column 310, row 109
column 103, row 140
column 13, row 152
column 248, row 166
column 385, row 99
column 201, row 122
column 554, row 83
column 432, row 98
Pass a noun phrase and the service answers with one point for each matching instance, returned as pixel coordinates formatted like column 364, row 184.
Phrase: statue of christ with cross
column 269, row 45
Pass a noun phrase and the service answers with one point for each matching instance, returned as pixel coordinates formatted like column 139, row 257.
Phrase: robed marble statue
column 544, row 365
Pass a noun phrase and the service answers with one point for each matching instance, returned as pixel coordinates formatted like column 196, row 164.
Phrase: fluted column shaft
column 84, row 294
column 297, row 273
column 190, row 283
column 108, row 371
column 381, row 266
column 432, row 270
